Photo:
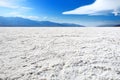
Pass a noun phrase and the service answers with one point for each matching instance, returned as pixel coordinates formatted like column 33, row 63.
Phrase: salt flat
column 60, row 53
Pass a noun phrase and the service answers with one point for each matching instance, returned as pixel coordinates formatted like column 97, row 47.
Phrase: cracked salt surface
column 59, row 54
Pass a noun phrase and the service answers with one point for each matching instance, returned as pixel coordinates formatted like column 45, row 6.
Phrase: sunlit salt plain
column 60, row 53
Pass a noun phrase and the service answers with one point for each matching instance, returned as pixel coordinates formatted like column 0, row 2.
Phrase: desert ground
column 89, row 53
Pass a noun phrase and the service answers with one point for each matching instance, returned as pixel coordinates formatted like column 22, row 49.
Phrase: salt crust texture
column 60, row 53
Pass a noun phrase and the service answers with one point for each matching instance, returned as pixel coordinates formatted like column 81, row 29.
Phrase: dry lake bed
column 89, row 53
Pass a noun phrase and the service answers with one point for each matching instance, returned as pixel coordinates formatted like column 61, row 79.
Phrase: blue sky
column 84, row 12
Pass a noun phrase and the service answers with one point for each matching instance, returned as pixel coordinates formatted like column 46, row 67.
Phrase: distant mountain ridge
column 22, row 22
column 109, row 25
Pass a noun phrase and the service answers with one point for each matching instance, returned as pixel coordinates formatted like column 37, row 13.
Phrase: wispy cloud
column 13, row 4
column 99, row 7
column 7, row 4
column 22, row 15
column 15, row 8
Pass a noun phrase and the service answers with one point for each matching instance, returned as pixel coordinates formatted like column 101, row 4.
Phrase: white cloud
column 31, row 17
column 7, row 4
column 99, row 7
column 19, row 14
column 15, row 8
column 13, row 4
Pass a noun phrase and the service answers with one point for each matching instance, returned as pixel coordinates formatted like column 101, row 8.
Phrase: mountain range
column 22, row 22
column 109, row 25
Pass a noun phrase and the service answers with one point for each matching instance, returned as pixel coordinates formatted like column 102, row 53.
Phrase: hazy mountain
column 17, row 21
column 110, row 25
column 118, row 25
